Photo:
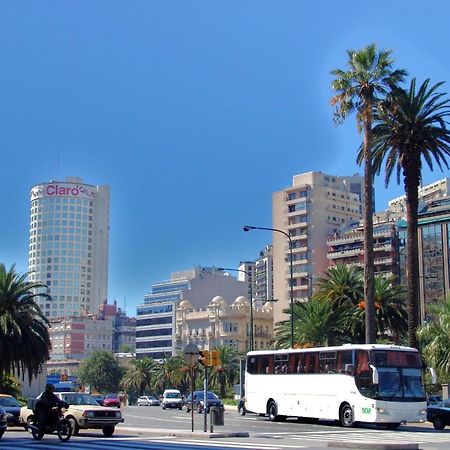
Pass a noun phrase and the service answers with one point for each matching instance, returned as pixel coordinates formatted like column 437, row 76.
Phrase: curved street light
column 250, row 227
column 251, row 299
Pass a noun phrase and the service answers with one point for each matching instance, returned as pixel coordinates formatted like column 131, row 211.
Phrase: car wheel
column 438, row 423
column 75, row 427
column 346, row 417
column 108, row 431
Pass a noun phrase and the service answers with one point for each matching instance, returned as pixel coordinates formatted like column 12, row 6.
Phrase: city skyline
column 192, row 113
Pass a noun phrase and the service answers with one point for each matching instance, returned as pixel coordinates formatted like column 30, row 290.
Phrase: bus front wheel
column 346, row 416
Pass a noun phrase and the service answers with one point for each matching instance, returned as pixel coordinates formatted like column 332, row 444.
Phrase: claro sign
column 62, row 190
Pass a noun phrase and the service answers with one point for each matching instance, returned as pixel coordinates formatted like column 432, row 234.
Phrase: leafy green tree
column 411, row 126
column 24, row 337
column 101, row 371
column 317, row 323
column 359, row 90
column 434, row 339
column 336, row 314
column 226, row 373
column 341, row 284
column 139, row 376
column 127, row 348
column 169, row 373
column 391, row 313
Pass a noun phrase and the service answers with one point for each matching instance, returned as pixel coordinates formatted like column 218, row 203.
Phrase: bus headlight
column 423, row 412
column 381, row 410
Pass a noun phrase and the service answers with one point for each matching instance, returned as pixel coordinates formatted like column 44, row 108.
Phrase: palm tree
column 139, row 376
column 391, row 313
column 411, row 126
column 225, row 374
column 317, row 323
column 24, row 337
column 341, row 284
column 360, row 89
column 434, row 338
column 168, row 373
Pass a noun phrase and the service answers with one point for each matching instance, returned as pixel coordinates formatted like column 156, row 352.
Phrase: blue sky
column 193, row 112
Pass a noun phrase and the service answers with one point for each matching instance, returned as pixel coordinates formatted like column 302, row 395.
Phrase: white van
column 172, row 399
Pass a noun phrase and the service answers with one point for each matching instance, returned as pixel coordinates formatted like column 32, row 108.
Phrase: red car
column 111, row 400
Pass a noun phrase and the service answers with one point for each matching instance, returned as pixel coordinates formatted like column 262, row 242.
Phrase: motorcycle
column 56, row 422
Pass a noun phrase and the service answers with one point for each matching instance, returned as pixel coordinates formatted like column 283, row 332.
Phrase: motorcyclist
column 47, row 407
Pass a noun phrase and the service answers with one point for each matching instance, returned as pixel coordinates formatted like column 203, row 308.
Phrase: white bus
column 351, row 383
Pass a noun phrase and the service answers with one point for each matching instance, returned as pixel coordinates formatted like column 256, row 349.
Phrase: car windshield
column 209, row 395
column 173, row 395
column 8, row 401
column 112, row 396
column 79, row 399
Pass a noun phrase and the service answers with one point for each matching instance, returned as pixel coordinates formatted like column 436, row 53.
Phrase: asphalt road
column 147, row 428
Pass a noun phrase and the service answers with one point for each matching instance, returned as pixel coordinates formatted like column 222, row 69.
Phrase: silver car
column 147, row 400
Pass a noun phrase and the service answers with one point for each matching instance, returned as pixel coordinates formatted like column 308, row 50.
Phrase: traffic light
column 215, row 360
column 204, row 357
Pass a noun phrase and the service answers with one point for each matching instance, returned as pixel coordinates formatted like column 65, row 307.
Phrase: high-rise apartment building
column 68, row 246
column 310, row 211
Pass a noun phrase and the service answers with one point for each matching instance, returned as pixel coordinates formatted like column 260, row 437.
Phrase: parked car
column 3, row 423
column 148, row 400
column 12, row 408
column 98, row 398
column 199, row 401
column 439, row 415
column 172, row 399
column 111, row 400
column 83, row 413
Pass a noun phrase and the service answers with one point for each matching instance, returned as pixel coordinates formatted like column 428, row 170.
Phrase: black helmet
column 49, row 387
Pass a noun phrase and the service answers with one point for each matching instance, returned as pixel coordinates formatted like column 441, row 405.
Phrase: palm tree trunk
column 369, row 287
column 412, row 182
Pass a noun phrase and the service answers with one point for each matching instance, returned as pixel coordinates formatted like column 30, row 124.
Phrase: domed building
column 224, row 323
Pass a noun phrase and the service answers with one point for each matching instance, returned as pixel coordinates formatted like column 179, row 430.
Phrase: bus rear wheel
column 346, row 416
column 272, row 411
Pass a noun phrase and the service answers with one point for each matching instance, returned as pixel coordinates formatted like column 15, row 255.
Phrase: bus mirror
column 374, row 374
column 433, row 375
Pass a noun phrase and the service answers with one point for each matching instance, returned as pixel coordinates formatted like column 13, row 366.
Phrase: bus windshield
column 399, row 377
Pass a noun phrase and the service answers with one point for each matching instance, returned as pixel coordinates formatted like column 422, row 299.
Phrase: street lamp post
column 251, row 299
column 248, row 228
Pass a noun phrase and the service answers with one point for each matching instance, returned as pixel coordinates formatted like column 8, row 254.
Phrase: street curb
column 374, row 445
column 183, row 433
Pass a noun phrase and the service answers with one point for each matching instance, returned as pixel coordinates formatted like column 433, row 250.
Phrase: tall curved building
column 68, row 246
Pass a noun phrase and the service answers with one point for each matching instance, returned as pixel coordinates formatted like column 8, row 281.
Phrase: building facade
column 68, row 245
column 434, row 252
column 347, row 248
column 157, row 317
column 223, row 323
column 263, row 284
column 310, row 212
column 75, row 338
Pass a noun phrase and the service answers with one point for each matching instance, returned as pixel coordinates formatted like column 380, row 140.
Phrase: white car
column 148, row 400
column 172, row 399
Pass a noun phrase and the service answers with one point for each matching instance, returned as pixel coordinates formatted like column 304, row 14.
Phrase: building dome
column 186, row 304
column 268, row 306
column 218, row 300
column 241, row 301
